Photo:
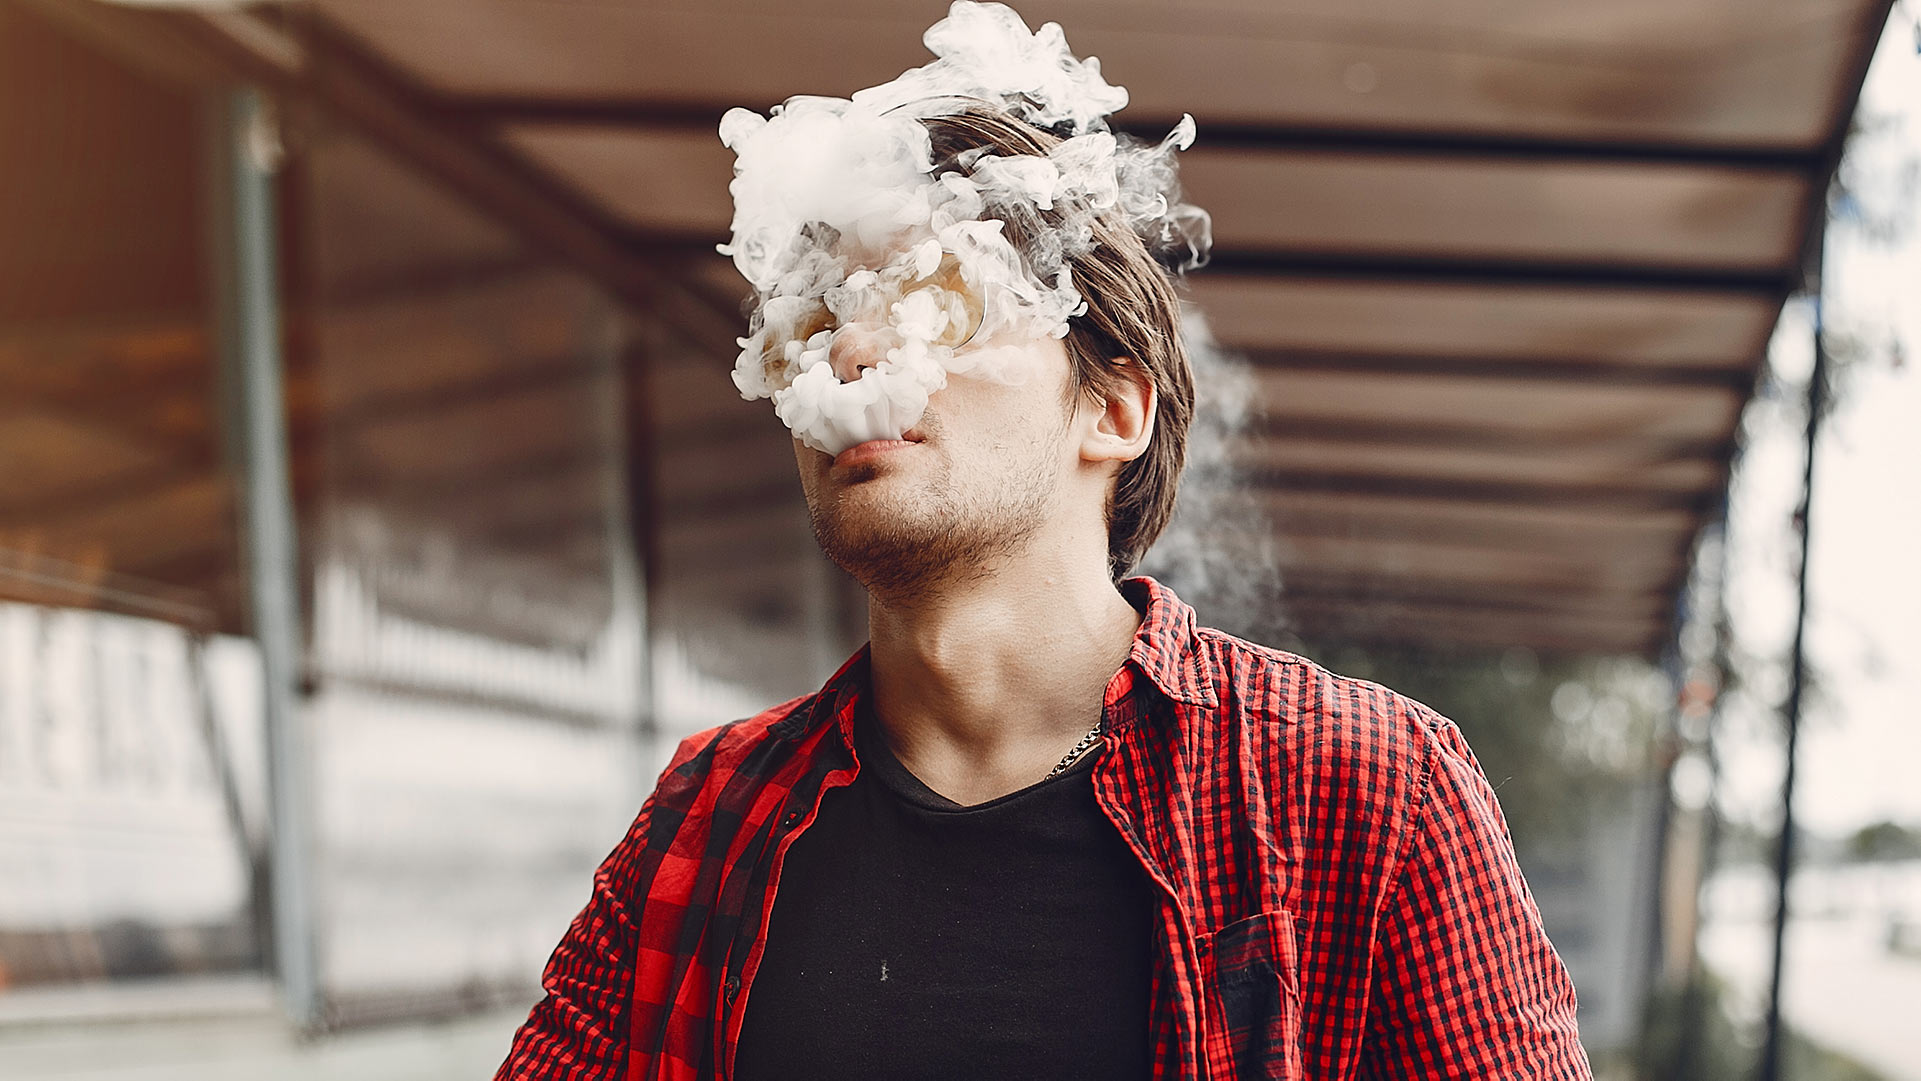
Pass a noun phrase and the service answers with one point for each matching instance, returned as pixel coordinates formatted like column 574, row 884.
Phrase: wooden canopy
column 111, row 473
column 1505, row 271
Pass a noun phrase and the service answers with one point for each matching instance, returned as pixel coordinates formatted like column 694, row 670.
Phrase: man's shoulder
column 724, row 751
column 1303, row 704
column 1344, row 754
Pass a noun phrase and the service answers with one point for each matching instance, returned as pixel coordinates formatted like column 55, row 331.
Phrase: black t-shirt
column 914, row 938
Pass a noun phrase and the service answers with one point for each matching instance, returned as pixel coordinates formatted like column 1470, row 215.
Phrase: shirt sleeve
column 1465, row 983
column 579, row 1029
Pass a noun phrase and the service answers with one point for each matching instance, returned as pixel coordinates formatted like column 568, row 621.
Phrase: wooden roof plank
column 1638, row 70
column 1623, row 463
column 1500, row 404
column 1652, row 326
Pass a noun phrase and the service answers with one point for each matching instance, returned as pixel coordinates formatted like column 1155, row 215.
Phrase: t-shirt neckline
column 875, row 754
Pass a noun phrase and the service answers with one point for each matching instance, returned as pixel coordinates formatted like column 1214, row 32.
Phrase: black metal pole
column 1770, row 1066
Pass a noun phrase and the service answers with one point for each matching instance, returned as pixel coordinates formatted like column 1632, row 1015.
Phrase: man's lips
column 874, row 448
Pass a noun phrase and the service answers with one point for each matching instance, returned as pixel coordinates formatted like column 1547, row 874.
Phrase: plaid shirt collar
column 1166, row 649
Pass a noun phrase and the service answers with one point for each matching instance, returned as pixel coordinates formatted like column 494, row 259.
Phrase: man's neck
column 981, row 688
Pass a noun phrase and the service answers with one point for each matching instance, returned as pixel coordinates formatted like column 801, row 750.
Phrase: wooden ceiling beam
column 1489, row 271
column 105, row 333
column 1605, row 497
column 1498, row 527
column 1653, row 602
column 1405, row 512
column 363, row 477
column 57, row 511
column 485, row 389
column 1634, row 568
column 1443, row 433
column 299, row 54
column 1573, row 370
column 491, row 111
column 1624, row 464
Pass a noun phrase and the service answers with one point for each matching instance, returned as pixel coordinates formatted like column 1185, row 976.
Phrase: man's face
column 974, row 480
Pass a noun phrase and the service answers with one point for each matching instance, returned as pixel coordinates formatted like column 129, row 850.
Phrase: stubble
column 941, row 532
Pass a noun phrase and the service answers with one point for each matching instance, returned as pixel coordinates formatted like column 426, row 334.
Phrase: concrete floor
column 233, row 1035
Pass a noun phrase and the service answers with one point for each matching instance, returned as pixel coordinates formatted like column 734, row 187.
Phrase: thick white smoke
column 843, row 226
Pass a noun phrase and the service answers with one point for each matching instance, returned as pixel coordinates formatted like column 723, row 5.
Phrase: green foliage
column 1884, row 840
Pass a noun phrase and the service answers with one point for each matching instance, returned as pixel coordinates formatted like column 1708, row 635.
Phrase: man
column 1043, row 826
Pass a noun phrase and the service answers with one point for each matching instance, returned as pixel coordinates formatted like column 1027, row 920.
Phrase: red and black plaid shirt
column 1339, row 897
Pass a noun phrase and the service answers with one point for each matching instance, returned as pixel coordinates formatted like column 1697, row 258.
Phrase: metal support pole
column 1770, row 1065
column 1694, row 1002
column 251, row 299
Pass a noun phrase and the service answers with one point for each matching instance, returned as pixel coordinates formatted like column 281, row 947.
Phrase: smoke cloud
column 1218, row 552
column 843, row 226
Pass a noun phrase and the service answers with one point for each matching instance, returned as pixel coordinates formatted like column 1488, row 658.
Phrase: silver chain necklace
column 1087, row 741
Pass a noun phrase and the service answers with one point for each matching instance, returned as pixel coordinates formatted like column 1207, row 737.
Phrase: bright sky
column 1861, row 744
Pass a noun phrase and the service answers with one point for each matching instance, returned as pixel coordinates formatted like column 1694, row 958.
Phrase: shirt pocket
column 1251, row 982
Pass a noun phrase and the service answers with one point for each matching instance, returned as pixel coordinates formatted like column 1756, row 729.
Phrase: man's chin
column 866, row 535
column 859, row 517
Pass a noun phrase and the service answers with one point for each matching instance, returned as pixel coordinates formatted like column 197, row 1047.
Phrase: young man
column 1044, row 825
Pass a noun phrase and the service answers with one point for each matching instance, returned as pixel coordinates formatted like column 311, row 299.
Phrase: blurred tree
column 1691, row 1034
column 1884, row 840
column 1557, row 737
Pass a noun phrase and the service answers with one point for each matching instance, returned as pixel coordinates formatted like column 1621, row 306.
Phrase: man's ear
column 1122, row 418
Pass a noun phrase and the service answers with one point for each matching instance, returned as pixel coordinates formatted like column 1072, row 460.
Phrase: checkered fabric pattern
column 1339, row 894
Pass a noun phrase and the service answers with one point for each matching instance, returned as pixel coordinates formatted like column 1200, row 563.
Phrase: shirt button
column 731, row 987
column 792, row 819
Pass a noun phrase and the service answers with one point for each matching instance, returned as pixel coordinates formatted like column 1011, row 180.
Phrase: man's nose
column 856, row 346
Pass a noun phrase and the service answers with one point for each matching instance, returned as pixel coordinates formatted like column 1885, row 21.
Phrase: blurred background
column 376, row 512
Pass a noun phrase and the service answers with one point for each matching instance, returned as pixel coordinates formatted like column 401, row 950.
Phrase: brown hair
column 1132, row 322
